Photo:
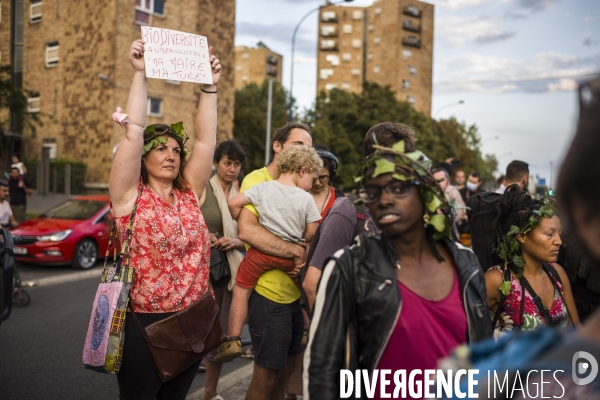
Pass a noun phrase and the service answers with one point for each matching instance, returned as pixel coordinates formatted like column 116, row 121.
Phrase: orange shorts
column 256, row 263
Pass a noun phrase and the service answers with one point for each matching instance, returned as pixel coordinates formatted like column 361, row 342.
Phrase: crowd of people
column 372, row 279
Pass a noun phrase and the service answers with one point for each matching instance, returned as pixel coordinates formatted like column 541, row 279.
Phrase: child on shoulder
column 287, row 210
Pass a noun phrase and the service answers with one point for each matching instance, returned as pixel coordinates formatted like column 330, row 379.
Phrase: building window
column 413, row 9
column 377, row 10
column 154, row 107
column 370, row 56
column 328, row 30
column 357, row 14
column 346, row 57
column 405, row 84
column 159, row 8
column 238, row 68
column 35, row 11
column 33, row 102
column 371, row 27
column 244, row 78
column 355, row 71
column 406, row 54
column 356, row 43
column 407, row 22
column 328, row 45
column 377, row 39
column 330, row 86
column 346, row 85
column 50, row 143
column 347, row 28
column 325, row 73
column 376, row 69
column 271, row 70
column 51, row 54
column 334, row 59
column 328, row 16
column 143, row 11
column 411, row 99
column 245, row 56
column 412, row 69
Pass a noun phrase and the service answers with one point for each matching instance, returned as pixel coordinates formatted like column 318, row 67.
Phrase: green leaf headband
column 508, row 244
column 413, row 166
column 156, row 138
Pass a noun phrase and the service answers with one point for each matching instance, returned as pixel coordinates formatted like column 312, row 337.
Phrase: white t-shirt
column 20, row 166
column 283, row 210
column 5, row 213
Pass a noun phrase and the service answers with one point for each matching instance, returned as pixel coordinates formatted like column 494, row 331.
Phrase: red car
column 73, row 232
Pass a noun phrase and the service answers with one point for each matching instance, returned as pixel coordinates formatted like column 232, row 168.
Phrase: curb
column 74, row 276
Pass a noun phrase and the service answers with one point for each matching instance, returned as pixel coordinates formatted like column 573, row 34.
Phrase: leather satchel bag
column 220, row 272
column 180, row 340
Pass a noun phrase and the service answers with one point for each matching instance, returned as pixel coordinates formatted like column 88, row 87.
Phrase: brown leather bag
column 180, row 340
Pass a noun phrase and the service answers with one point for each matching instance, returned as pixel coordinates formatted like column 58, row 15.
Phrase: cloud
column 588, row 41
column 279, row 33
column 458, row 4
column 459, row 31
column 543, row 72
column 590, row 18
column 536, row 5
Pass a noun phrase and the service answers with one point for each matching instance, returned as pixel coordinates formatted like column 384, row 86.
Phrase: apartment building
column 389, row 43
column 256, row 65
column 71, row 56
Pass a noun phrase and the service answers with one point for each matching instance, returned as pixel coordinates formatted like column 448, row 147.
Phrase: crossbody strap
column 537, row 299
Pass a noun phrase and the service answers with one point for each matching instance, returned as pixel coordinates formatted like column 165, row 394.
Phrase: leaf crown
column 156, row 135
column 508, row 245
column 411, row 167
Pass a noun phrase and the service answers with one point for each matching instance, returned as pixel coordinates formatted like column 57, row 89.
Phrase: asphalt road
column 41, row 346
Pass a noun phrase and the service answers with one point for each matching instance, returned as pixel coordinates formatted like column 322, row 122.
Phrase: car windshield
column 75, row 209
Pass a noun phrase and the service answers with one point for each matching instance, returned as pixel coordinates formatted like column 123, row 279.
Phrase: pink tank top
column 169, row 251
column 425, row 332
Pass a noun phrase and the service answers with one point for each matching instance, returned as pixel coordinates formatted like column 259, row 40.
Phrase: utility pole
column 269, row 106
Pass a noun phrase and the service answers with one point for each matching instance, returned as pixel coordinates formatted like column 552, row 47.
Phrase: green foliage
column 15, row 100
column 250, row 119
column 58, row 165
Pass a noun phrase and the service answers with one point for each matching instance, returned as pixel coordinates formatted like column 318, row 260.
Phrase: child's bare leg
column 239, row 310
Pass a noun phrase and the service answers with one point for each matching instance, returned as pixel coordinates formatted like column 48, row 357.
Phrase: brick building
column 256, row 65
column 71, row 57
column 389, row 43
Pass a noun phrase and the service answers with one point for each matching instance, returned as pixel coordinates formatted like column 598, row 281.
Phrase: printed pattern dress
column 169, row 250
column 510, row 316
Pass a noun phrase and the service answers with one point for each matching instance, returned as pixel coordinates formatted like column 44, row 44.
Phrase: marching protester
column 169, row 246
column 321, row 190
column 228, row 160
column 7, row 219
column 19, row 188
column 472, row 186
column 517, row 172
column 530, row 289
column 400, row 301
column 459, row 179
column 442, row 177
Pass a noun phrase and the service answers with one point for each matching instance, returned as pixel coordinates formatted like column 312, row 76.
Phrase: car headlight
column 55, row 237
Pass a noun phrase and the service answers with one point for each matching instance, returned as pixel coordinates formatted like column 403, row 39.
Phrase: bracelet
column 208, row 91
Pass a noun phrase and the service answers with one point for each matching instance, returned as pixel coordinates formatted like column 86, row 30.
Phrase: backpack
column 361, row 211
column 483, row 236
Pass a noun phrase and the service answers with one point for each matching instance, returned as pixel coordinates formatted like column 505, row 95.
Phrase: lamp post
column 490, row 139
column 442, row 108
column 328, row 3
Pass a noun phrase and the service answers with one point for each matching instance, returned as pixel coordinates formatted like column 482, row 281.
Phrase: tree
column 250, row 119
column 15, row 100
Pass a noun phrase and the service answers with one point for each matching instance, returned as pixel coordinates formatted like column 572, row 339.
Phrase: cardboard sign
column 176, row 55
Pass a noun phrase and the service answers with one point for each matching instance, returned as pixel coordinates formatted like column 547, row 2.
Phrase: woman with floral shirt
column 530, row 289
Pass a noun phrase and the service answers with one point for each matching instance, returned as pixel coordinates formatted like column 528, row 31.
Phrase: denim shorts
column 275, row 329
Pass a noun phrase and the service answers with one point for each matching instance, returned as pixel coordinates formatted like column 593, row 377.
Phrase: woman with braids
column 152, row 180
column 529, row 232
column 401, row 301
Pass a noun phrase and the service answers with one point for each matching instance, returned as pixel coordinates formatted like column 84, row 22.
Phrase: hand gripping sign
column 176, row 55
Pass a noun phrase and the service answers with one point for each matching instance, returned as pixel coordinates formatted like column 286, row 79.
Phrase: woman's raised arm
column 126, row 166
column 197, row 170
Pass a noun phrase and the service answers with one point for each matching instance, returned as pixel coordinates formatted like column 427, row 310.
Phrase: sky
column 514, row 63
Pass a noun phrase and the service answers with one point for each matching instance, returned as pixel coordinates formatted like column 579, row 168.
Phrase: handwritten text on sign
column 176, row 55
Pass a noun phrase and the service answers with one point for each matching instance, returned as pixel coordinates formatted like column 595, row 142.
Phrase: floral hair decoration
column 154, row 137
column 508, row 245
column 412, row 167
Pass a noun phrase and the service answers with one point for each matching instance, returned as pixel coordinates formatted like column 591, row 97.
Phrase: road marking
column 227, row 382
column 70, row 277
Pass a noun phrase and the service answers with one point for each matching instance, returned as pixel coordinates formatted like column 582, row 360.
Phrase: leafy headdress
column 509, row 245
column 154, row 134
column 412, row 167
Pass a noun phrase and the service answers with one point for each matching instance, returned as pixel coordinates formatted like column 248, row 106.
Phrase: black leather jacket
column 369, row 266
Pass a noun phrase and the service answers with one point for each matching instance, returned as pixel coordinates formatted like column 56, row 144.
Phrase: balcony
column 329, row 45
column 272, row 60
column 271, row 70
column 329, row 31
column 411, row 41
column 408, row 25
column 413, row 11
column 329, row 16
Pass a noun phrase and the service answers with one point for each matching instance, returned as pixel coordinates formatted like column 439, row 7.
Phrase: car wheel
column 85, row 254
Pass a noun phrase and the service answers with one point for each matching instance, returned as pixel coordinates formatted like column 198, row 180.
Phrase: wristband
column 208, row 91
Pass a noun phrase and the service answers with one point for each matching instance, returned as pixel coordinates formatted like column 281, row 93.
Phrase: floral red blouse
column 169, row 250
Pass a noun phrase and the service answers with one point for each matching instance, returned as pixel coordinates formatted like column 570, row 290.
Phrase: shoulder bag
column 103, row 348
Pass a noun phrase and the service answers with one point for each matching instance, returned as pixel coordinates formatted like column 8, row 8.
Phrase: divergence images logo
column 584, row 363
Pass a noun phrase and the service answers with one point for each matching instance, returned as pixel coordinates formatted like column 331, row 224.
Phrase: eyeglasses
column 322, row 178
column 396, row 189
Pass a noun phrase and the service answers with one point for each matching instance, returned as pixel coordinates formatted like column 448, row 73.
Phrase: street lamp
column 328, row 3
column 448, row 105
column 505, row 155
column 490, row 139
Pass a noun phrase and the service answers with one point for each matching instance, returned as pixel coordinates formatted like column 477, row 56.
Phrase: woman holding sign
column 169, row 245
